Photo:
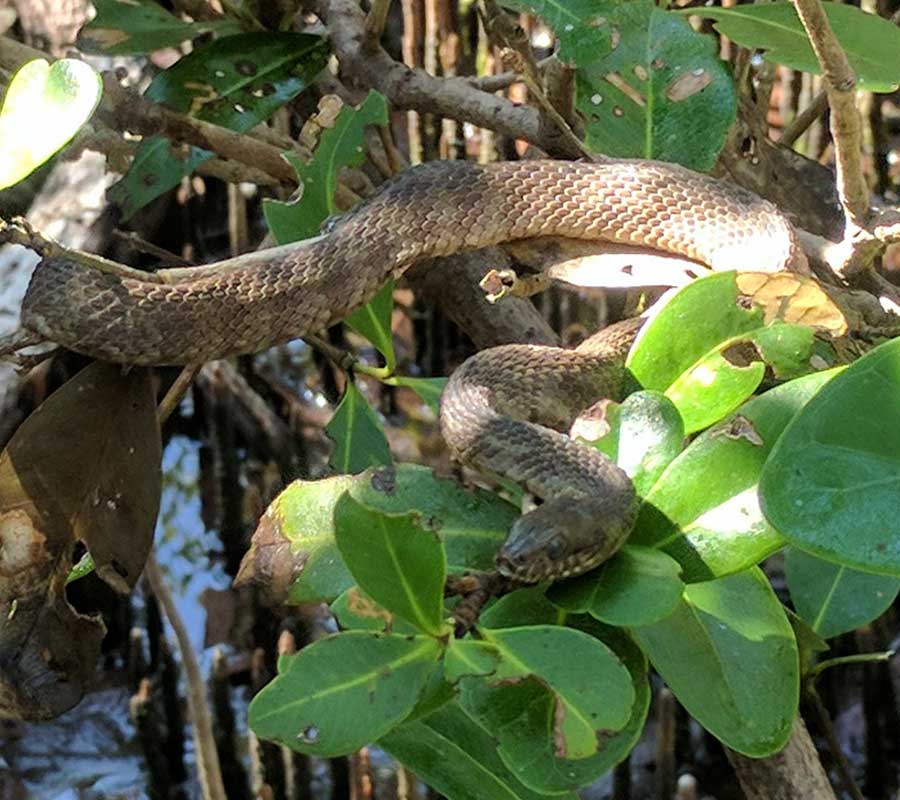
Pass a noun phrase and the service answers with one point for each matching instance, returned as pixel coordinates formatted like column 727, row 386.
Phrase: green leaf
column 457, row 757
column 358, row 436
column 528, row 606
column 373, row 321
column 870, row 42
column 592, row 690
column 66, row 93
column 397, row 562
column 729, row 655
column 342, row 145
column 706, row 351
column 646, row 433
column 520, row 718
column 137, row 27
column 466, row 657
column 835, row 599
column 831, row 483
column 344, row 691
column 661, row 93
column 429, row 389
column 236, row 82
column 297, row 530
column 704, row 511
column 637, row 586
column 647, row 84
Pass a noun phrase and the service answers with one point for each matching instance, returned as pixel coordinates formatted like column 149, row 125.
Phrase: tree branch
column 414, row 89
column 846, row 127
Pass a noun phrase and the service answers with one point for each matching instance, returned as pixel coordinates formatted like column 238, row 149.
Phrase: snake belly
column 439, row 209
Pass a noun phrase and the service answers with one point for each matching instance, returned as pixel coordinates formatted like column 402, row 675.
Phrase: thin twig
column 846, row 127
column 204, row 742
column 799, row 124
column 176, row 390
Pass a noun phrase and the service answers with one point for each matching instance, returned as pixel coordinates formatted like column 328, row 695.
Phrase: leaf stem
column 857, row 658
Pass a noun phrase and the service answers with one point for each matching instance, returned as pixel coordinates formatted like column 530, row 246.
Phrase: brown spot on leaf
column 245, row 67
column 741, row 354
column 687, row 84
column 739, row 427
column 384, row 479
column 270, row 563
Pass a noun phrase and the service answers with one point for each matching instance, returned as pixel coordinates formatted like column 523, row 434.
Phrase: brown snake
column 497, row 407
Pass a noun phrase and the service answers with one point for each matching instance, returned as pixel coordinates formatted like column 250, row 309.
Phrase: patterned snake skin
column 435, row 210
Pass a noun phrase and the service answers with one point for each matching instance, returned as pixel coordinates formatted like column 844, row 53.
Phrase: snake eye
column 556, row 548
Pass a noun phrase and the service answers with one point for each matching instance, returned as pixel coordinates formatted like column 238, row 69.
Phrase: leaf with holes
column 342, row 145
column 708, row 352
column 66, row 92
column 236, row 82
column 137, row 27
column 870, row 42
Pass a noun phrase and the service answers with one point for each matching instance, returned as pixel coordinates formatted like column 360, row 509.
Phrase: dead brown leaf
column 84, row 466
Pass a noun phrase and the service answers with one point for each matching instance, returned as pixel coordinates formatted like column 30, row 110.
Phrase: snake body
column 439, row 209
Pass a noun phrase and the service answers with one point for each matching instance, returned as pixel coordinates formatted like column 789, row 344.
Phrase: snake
column 503, row 411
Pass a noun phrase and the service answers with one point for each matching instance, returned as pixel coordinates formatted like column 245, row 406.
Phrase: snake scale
column 502, row 409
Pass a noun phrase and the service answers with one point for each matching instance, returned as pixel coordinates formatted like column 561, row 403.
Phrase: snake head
column 564, row 537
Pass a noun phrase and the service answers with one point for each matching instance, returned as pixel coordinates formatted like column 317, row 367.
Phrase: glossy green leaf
column 294, row 555
column 591, row 689
column 373, row 321
column 834, row 599
column 699, row 317
column 637, row 586
column 704, row 511
column 706, row 351
column 342, row 145
column 357, row 433
column 645, row 434
column 520, row 719
column 66, row 92
column 236, row 82
column 870, row 42
column 456, row 756
column 344, row 691
column 831, row 484
column 728, row 654
column 396, row 561
column 137, row 27
column 528, row 606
